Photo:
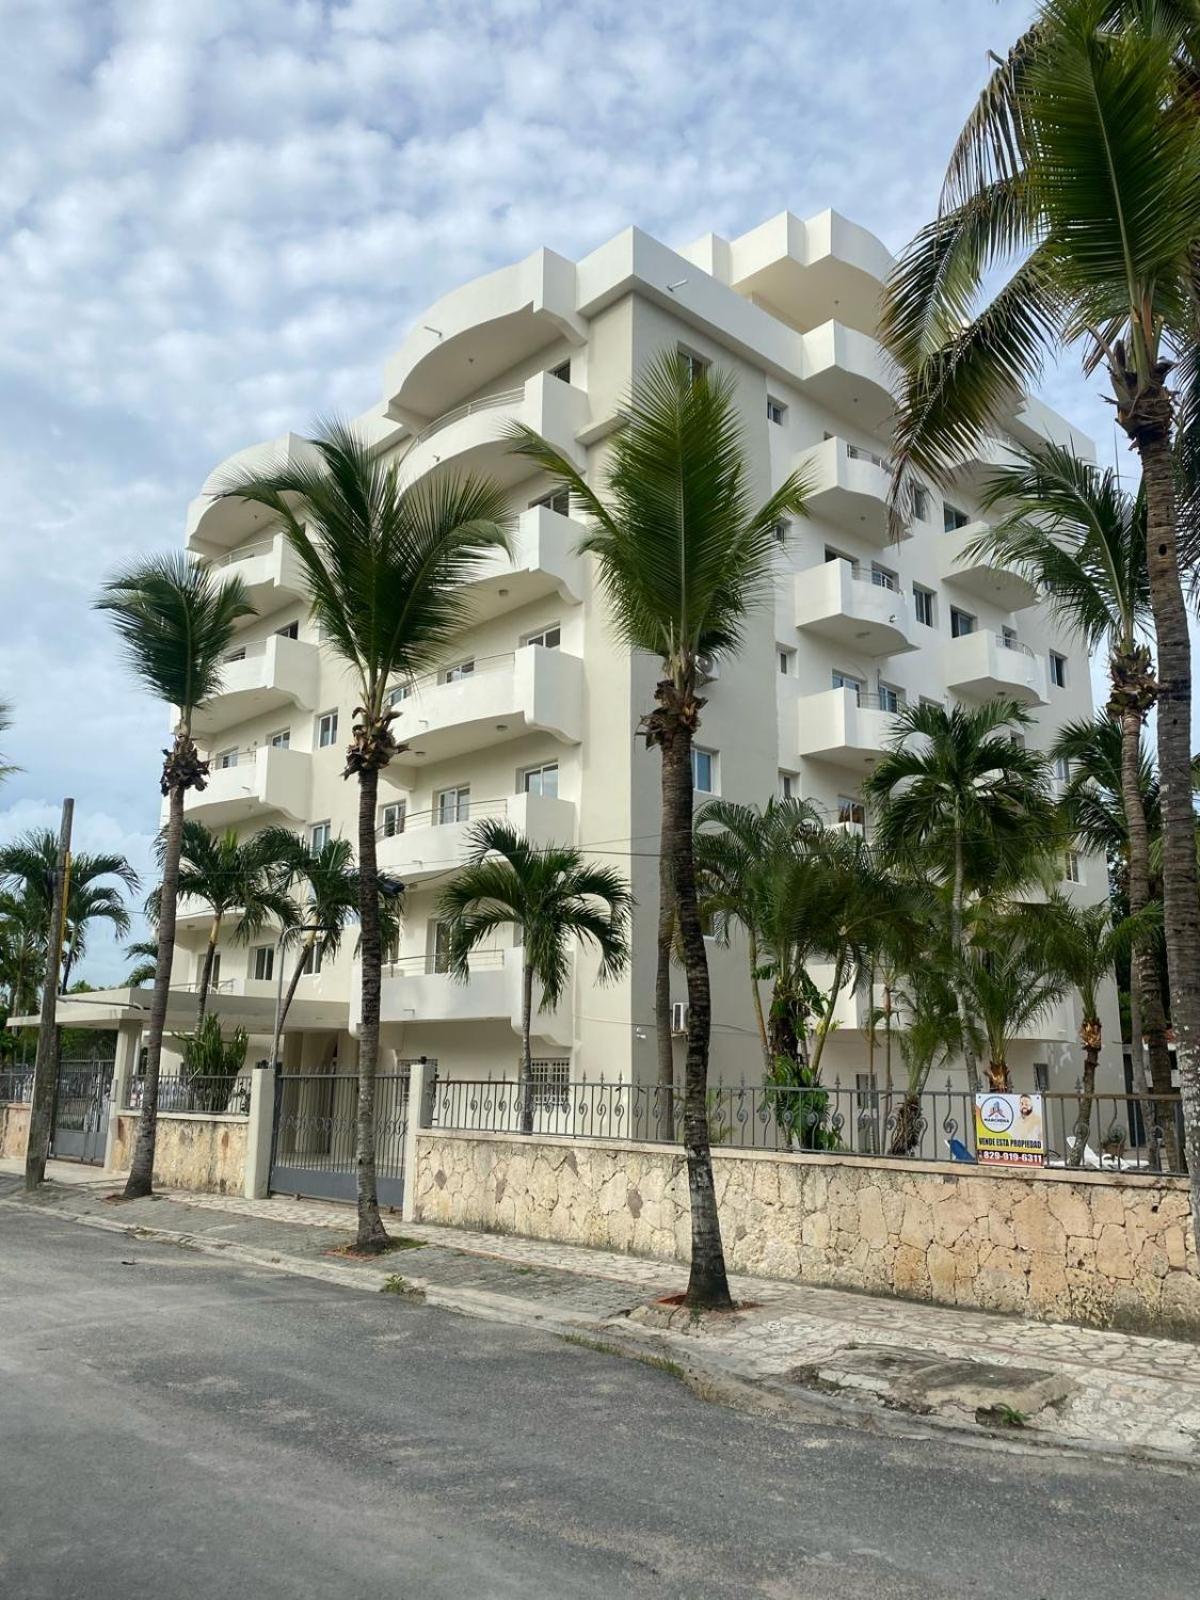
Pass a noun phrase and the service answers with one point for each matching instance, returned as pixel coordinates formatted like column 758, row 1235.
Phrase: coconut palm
column 684, row 558
column 228, row 874
column 1081, row 162
column 28, row 866
column 176, row 621
column 384, row 562
column 930, row 1038
column 958, row 794
column 553, row 895
column 1004, row 984
column 144, row 955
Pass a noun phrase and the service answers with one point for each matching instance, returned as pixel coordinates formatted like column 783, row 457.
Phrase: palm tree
column 6, row 722
column 684, row 559
column 29, row 864
column 1004, row 984
column 385, row 563
column 229, row 874
column 931, row 1036
column 1082, row 162
column 176, row 621
column 144, row 955
column 958, row 793
column 551, row 895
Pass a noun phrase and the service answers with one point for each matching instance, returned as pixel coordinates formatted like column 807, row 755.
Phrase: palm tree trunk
column 141, row 1168
column 998, row 1076
column 958, row 945
column 371, row 1236
column 665, row 939
column 1090, row 1038
column 526, row 1087
column 708, row 1285
column 756, row 996
column 206, row 971
column 1137, row 1057
column 290, row 995
column 1181, row 908
column 839, row 968
column 1144, row 975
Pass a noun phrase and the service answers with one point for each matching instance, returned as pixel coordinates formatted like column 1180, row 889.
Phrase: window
column 264, row 962
column 457, row 673
column 292, row 631
column 780, row 530
column 326, row 729
column 840, row 555
column 1058, row 670
column 695, row 366
column 1072, row 871
column 319, row 835
column 313, row 959
column 883, row 577
column 439, row 947
column 236, row 655
column 890, row 698
column 929, row 700
column 776, row 410
column 704, row 771
column 541, row 780
column 1041, row 1077
column 923, row 606
column 1062, row 769
column 562, row 371
column 787, row 661
column 953, row 518
column 214, row 977
column 452, row 805
column 843, row 680
column 961, row 623
column 397, row 694
column 391, row 818
column 225, row 758
column 549, row 638
column 549, row 1082
column 851, row 813
column 557, row 500
column 281, row 740
column 1008, row 638
column 919, row 502
column 788, row 788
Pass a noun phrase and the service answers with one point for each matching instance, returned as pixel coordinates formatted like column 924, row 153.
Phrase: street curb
column 710, row 1379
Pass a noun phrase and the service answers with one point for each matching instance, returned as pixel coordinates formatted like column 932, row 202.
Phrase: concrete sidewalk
column 884, row 1363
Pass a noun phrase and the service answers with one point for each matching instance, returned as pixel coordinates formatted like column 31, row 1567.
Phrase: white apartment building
column 534, row 715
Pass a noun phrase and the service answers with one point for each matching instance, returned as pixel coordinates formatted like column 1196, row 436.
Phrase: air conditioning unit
column 708, row 666
column 679, row 1017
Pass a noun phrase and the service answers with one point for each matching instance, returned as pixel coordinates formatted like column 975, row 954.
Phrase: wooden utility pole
column 45, row 1071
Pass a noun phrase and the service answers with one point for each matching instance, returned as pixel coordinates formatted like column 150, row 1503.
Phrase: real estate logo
column 1008, row 1129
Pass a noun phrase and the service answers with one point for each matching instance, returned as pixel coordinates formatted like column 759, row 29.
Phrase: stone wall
column 1098, row 1248
column 14, row 1128
column 192, row 1151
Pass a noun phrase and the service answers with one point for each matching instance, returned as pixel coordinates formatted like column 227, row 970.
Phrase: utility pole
column 45, row 1071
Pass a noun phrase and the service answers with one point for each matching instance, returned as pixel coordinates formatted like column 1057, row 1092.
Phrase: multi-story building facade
column 534, row 716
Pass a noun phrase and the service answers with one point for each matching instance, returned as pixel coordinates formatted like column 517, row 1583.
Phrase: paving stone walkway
column 1126, row 1391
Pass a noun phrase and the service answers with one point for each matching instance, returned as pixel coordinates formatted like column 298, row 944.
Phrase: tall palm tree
column 384, row 562
column 1082, row 162
column 684, row 558
column 28, row 866
column 960, row 795
column 552, row 895
column 931, row 1036
column 176, row 621
column 1004, row 983
column 6, row 722
column 1071, row 529
column 229, row 874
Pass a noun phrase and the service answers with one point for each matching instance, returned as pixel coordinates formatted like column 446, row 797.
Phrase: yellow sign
column 1008, row 1130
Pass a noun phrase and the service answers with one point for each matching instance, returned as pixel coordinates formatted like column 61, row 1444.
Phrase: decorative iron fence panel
column 315, row 1137
column 216, row 1095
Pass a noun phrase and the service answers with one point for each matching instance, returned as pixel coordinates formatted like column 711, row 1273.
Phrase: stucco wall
column 207, row 1154
column 1090, row 1248
column 14, row 1128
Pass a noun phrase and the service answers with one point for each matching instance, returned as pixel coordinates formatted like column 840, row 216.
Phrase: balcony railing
column 488, row 402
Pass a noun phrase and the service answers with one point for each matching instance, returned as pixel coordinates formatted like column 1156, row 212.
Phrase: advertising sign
column 1008, row 1129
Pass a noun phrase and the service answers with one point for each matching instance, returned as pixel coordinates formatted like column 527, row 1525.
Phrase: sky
column 219, row 220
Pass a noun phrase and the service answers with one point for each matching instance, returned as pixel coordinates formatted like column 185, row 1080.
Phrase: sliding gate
column 313, row 1145
column 81, row 1110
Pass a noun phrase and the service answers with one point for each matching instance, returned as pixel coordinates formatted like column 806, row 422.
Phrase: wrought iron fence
column 1118, row 1132
column 219, row 1096
column 16, row 1085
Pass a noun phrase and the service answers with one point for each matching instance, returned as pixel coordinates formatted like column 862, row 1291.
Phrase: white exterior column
column 129, row 1044
column 412, row 1126
column 259, row 1131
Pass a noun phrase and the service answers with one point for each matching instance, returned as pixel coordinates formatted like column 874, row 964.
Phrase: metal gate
column 81, row 1097
column 313, row 1144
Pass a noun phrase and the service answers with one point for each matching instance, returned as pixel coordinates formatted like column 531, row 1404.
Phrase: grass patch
column 1001, row 1416
column 659, row 1363
column 401, row 1286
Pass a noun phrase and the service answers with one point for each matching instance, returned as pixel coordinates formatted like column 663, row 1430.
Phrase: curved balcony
column 864, row 615
column 985, row 664
column 426, row 846
column 259, row 678
column 531, row 690
column 415, row 991
column 848, row 487
column 214, row 523
column 270, row 571
column 473, row 437
column 1002, row 586
column 481, row 330
column 848, row 371
column 848, row 729
column 263, row 781
column 542, row 561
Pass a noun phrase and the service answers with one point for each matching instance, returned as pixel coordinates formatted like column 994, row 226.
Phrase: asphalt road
column 175, row 1427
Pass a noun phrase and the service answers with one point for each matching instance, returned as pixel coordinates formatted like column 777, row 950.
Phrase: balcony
column 802, row 269
column 473, row 437
column 847, row 371
column 531, row 690
column 427, row 846
column 986, row 664
column 848, row 729
column 848, row 487
column 865, row 615
column 270, row 572
column 263, row 782
column 1002, row 586
column 268, row 675
column 415, row 991
column 214, row 523
column 542, row 563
